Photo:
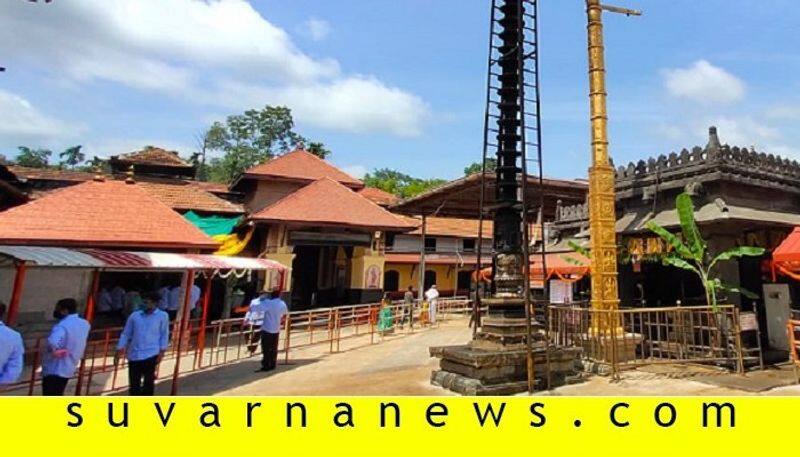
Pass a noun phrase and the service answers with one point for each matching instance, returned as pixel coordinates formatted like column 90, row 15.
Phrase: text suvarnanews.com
column 389, row 414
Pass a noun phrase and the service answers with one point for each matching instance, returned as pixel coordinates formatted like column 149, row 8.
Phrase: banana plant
column 691, row 253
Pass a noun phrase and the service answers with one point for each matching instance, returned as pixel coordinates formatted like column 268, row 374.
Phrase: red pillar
column 90, row 304
column 182, row 328
column 92, row 298
column 16, row 294
column 281, row 280
column 201, row 337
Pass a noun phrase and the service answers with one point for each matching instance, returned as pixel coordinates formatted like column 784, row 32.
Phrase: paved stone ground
column 400, row 365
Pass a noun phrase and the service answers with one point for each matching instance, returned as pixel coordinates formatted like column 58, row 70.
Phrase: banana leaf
column 734, row 289
column 678, row 262
column 694, row 241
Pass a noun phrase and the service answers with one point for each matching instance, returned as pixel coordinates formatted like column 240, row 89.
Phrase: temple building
column 742, row 198
column 318, row 220
column 161, row 173
column 451, row 231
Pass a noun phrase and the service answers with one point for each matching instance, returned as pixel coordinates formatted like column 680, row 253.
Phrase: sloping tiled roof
column 302, row 166
column 50, row 174
column 152, row 155
column 178, row 194
column 379, row 196
column 327, row 202
column 459, row 228
column 100, row 214
column 188, row 195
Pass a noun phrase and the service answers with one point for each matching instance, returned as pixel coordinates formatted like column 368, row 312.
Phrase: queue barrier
column 626, row 338
column 197, row 347
column 793, row 329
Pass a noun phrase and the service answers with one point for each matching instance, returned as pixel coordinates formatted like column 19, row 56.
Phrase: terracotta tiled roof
column 178, row 194
column 214, row 187
column 459, row 228
column 379, row 196
column 50, row 174
column 151, row 155
column 301, row 166
column 188, row 195
column 327, row 202
column 100, row 214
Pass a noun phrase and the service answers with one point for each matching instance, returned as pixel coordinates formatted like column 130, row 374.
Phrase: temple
column 740, row 198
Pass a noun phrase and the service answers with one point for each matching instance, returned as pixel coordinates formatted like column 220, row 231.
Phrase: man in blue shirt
column 65, row 347
column 270, row 305
column 11, row 351
column 144, row 339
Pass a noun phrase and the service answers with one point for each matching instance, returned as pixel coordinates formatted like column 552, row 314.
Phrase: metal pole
column 16, row 294
column 90, row 299
column 476, row 306
column 182, row 326
column 602, row 214
column 421, row 293
column 526, row 265
column 201, row 336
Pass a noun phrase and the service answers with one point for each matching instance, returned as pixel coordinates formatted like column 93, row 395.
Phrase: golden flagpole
column 602, row 215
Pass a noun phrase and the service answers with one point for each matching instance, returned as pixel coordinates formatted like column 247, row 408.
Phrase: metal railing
column 221, row 343
column 632, row 337
column 793, row 329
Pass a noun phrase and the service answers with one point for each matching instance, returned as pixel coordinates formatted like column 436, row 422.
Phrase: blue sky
column 391, row 83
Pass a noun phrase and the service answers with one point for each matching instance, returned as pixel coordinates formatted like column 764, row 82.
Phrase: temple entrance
column 320, row 276
column 391, row 281
column 430, row 279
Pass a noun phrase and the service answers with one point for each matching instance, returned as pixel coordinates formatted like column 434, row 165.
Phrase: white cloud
column 704, row 83
column 21, row 122
column 318, row 29
column 356, row 171
column 784, row 112
column 356, row 104
column 191, row 48
column 106, row 147
column 745, row 132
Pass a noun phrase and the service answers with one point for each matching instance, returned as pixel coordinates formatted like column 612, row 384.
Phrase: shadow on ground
column 212, row 381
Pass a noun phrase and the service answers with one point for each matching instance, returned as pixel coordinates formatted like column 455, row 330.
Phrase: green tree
column 400, row 184
column 94, row 165
column 72, row 157
column 34, row 158
column 476, row 167
column 691, row 252
column 251, row 138
column 319, row 150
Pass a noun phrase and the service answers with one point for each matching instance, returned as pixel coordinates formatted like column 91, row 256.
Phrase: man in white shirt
column 174, row 302
column 65, row 347
column 11, row 351
column 270, row 305
column 118, row 301
column 176, row 297
column 104, row 301
column 432, row 295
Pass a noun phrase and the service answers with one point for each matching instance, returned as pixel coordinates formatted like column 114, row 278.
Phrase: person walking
column 408, row 311
column 11, row 351
column 432, row 296
column 144, row 340
column 270, row 305
column 64, row 349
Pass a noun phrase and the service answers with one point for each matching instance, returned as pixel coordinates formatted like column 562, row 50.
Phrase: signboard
column 329, row 238
column 560, row 291
column 748, row 322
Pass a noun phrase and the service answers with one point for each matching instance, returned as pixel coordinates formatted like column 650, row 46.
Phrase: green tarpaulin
column 213, row 225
